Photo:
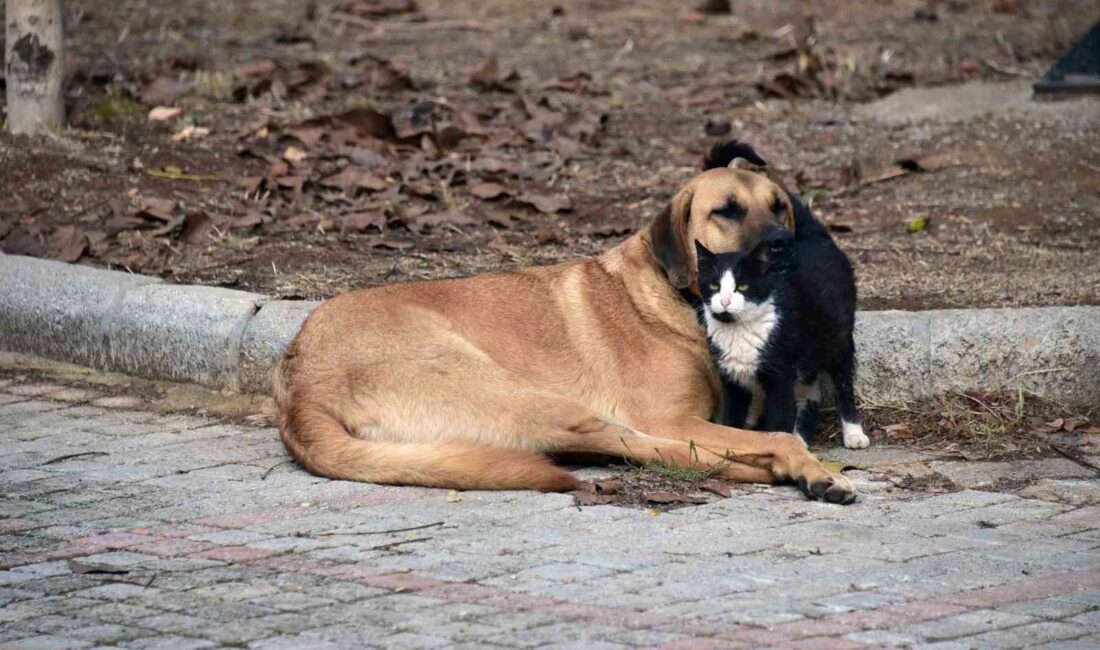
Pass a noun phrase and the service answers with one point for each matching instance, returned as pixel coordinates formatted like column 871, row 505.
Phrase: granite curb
column 230, row 340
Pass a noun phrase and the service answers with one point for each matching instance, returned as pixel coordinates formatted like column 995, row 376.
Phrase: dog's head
column 725, row 209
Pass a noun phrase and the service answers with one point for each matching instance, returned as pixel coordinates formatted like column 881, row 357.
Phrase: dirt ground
column 323, row 146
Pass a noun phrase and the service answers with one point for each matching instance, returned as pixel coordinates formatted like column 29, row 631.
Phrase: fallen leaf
column 164, row 113
column 433, row 220
column 714, row 7
column 368, row 122
column 672, row 497
column 608, row 486
column 488, row 191
column 196, row 228
column 157, row 208
column 577, row 83
column 390, row 243
column 587, row 499
column 917, row 223
column 363, row 221
column 66, row 244
column 1072, row 424
column 898, row 431
column 163, row 91
column 545, row 203
column 253, row 69
column 310, row 136
column 453, row 496
column 836, row 467
column 190, row 132
column 716, row 487
column 351, row 178
column 487, row 76
column 294, row 155
column 378, row 8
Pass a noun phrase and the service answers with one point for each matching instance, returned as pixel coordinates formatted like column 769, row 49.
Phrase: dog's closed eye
column 731, row 210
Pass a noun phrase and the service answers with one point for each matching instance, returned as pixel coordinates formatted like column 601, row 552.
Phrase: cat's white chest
column 740, row 344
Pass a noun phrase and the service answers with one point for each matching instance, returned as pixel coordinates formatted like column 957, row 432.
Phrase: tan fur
column 469, row 383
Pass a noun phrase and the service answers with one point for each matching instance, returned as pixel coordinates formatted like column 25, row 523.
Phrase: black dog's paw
column 721, row 155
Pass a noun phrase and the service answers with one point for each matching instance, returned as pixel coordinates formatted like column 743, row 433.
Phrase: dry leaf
column 672, row 497
column 66, row 244
column 488, row 191
column 351, row 178
column 587, row 499
column 716, row 487
column 190, row 132
column 898, row 431
column 196, row 228
column 294, row 155
column 164, row 113
column 547, row 204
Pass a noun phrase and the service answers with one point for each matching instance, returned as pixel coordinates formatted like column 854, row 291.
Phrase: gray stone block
column 265, row 339
column 181, row 333
column 58, row 310
column 1054, row 352
column 893, row 355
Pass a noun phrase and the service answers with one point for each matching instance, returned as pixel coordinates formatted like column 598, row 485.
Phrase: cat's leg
column 779, row 411
column 736, row 401
column 843, row 375
column 807, row 400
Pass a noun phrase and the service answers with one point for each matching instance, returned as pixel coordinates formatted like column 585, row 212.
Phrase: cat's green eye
column 714, row 286
column 742, row 287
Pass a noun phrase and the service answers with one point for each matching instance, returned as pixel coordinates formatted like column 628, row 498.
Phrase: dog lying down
column 470, row 383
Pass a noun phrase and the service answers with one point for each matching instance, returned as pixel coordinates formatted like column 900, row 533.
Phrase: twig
column 384, row 547
column 274, row 467
column 149, row 582
column 1077, row 459
column 381, row 532
column 61, row 459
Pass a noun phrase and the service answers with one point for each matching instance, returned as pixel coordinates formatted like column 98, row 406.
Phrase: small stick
column 384, row 547
column 274, row 467
column 382, row 532
column 61, row 459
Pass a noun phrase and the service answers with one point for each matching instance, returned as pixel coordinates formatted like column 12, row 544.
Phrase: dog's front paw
column 853, row 435
column 834, row 489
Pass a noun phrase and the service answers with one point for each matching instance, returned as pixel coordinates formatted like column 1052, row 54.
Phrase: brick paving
column 125, row 528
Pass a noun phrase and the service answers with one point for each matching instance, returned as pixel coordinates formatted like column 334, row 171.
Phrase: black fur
column 721, row 155
column 812, row 284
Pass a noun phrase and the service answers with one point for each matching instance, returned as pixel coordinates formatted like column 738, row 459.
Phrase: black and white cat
column 777, row 317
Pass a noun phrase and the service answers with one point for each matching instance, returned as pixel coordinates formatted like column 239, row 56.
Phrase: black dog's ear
column 668, row 237
column 721, row 155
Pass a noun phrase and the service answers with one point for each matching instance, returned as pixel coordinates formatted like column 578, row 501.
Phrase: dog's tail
column 322, row 445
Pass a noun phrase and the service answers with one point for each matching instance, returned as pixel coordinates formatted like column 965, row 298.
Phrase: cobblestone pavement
column 121, row 527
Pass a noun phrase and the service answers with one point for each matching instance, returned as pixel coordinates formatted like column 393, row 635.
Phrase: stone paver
column 126, row 528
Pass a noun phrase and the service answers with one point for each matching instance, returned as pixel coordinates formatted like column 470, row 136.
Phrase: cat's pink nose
column 726, row 300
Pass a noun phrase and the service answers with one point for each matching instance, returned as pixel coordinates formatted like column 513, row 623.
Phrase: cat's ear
column 702, row 253
column 669, row 240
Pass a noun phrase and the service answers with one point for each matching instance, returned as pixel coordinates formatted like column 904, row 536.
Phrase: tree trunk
column 35, row 65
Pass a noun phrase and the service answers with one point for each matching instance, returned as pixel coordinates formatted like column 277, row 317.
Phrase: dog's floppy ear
column 668, row 236
column 729, row 153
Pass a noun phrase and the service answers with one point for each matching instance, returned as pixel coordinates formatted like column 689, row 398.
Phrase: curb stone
column 231, row 340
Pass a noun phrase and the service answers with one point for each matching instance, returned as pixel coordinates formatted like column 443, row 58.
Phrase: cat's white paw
column 853, row 435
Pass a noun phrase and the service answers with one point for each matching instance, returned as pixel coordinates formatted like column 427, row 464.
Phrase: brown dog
column 468, row 383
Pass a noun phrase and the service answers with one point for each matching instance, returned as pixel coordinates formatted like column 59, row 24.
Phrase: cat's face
column 730, row 283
